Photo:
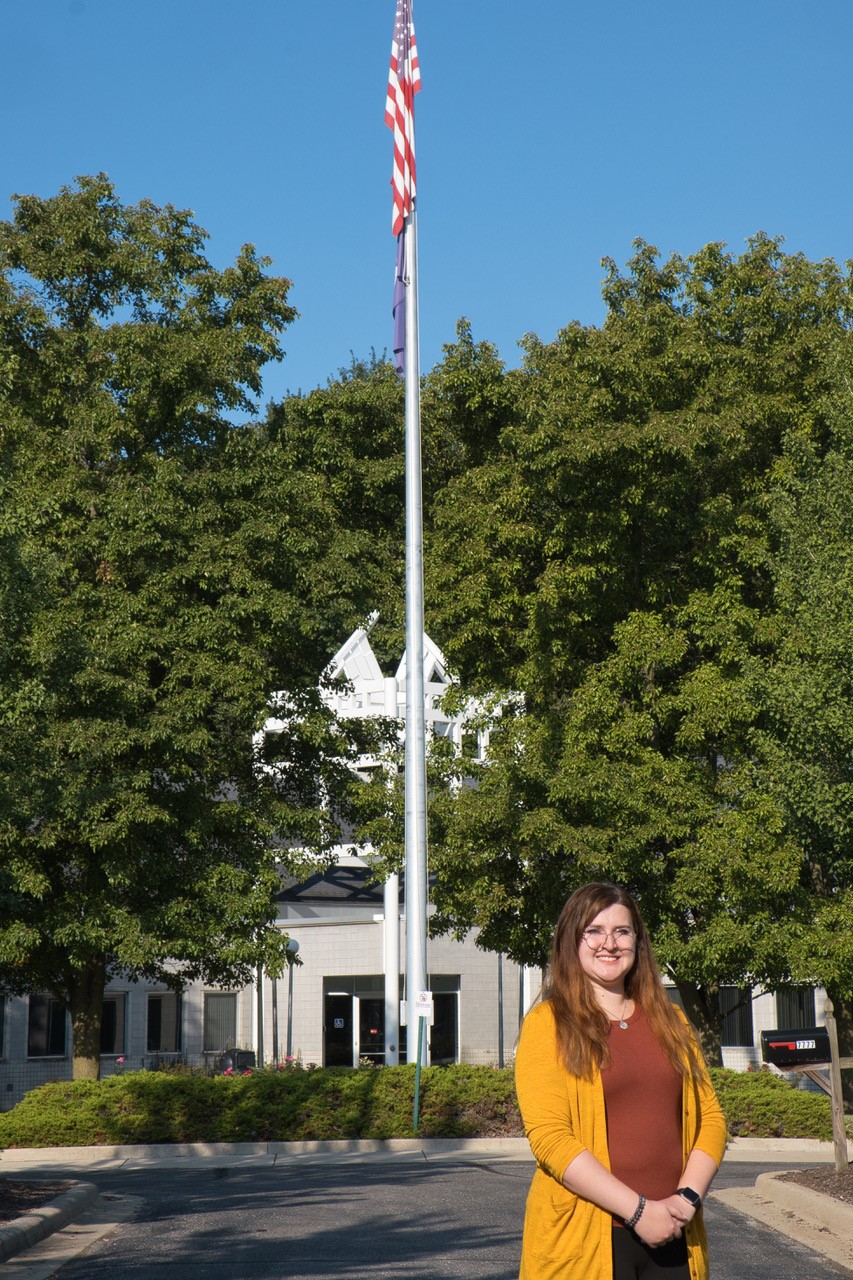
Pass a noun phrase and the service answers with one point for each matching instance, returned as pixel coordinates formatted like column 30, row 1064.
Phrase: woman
column 617, row 1106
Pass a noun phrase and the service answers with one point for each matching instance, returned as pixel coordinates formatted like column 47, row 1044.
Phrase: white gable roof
column 355, row 660
column 435, row 665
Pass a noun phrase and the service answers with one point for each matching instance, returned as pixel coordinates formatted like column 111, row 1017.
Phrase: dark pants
column 633, row 1260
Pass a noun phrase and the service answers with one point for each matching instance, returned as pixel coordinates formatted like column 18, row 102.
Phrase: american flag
column 404, row 81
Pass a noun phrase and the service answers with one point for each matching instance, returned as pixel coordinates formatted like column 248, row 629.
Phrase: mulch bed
column 17, row 1198
column 825, row 1178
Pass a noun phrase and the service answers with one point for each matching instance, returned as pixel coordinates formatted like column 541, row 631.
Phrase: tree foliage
column 614, row 561
column 804, row 688
column 346, row 441
column 638, row 561
column 157, row 569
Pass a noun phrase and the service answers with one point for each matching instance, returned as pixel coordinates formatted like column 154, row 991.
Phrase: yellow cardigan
column 565, row 1236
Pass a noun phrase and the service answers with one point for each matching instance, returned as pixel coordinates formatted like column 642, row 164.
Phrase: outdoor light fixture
column 292, row 949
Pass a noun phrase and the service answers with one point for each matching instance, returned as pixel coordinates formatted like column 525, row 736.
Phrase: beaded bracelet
column 637, row 1214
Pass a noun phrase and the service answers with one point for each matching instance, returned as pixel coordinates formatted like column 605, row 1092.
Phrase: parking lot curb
column 30, row 1228
column 816, row 1221
column 805, row 1202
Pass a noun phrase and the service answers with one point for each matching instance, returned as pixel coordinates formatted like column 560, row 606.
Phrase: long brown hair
column 583, row 1027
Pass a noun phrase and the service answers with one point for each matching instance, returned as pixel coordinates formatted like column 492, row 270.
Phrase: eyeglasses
column 596, row 937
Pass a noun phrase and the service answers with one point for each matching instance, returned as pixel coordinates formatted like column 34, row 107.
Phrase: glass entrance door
column 371, row 1029
column 444, row 1032
column 339, row 1048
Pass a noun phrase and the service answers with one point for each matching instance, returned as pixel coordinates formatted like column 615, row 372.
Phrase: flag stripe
column 404, row 81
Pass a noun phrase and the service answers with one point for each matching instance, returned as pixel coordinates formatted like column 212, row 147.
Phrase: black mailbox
column 236, row 1060
column 800, row 1047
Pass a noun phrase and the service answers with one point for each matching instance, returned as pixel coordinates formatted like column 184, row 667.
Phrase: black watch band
column 691, row 1197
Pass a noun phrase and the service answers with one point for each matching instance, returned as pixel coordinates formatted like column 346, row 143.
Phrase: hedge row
column 290, row 1105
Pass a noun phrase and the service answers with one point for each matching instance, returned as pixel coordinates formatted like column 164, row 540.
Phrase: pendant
column 623, row 1024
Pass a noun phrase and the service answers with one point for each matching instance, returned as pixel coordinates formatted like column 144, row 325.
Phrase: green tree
column 804, row 687
column 346, row 441
column 612, row 563
column 156, row 582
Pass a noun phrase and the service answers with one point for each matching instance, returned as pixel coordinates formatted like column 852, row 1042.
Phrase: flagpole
column 404, row 81
column 415, row 761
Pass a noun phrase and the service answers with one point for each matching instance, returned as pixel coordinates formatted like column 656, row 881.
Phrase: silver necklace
column 622, row 1023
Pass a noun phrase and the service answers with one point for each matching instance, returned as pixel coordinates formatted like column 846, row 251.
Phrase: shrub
column 162, row 1106
column 759, row 1104
column 455, row 1102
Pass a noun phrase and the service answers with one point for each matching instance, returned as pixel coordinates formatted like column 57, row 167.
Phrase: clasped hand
column 664, row 1220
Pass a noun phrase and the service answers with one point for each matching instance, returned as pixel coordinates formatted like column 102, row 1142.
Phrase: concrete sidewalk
column 237, row 1154
column 37, row 1160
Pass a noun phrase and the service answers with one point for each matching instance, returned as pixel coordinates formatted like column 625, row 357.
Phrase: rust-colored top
column 643, row 1097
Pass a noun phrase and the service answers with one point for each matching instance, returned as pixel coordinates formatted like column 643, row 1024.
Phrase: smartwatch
column 691, row 1197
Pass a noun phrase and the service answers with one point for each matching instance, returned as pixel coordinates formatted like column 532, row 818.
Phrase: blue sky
column 549, row 134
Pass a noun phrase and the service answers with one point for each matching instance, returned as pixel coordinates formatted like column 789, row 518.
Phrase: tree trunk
column 844, row 1022
column 702, row 1010
column 86, row 1002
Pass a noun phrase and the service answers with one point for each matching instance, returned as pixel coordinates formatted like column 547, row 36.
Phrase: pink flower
column 248, row 1071
column 229, row 1071
column 119, row 1061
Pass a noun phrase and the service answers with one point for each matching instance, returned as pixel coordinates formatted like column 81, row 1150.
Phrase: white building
column 350, row 933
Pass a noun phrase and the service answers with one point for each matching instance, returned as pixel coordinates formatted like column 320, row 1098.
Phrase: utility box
column 799, row 1047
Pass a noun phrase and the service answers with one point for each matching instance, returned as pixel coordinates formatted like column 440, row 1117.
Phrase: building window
column 112, row 1024
column 2, row 1026
column 220, row 1021
column 45, row 1028
column 164, row 1022
column 735, row 1005
column 795, row 1007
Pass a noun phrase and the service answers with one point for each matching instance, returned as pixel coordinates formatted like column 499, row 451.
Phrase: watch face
column 690, row 1195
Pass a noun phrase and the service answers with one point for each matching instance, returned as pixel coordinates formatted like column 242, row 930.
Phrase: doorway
column 371, row 1030
column 338, row 1029
column 354, row 1021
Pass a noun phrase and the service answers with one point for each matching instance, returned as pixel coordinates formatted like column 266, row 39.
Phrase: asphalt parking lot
column 371, row 1221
